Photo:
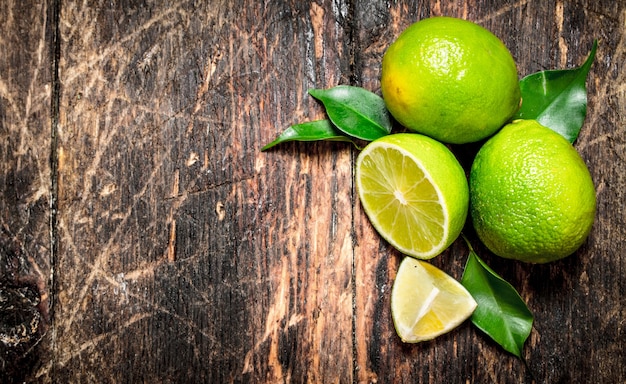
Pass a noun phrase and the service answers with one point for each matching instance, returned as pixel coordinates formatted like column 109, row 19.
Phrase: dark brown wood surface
column 26, row 241
column 145, row 238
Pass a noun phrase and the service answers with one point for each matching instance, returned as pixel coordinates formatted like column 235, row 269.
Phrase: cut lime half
column 414, row 192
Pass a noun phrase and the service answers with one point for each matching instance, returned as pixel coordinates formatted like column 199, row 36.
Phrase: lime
column 414, row 192
column 532, row 197
column 450, row 79
column 426, row 302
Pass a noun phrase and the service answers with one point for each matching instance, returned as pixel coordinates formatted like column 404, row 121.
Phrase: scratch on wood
column 93, row 342
column 145, row 271
column 562, row 45
column 193, row 158
column 209, row 70
column 317, row 21
column 175, row 185
column 146, row 60
column 605, row 91
column 108, row 189
column 221, row 212
column 88, row 65
column 171, row 245
column 107, row 249
column 273, row 324
column 505, row 9
column 205, row 163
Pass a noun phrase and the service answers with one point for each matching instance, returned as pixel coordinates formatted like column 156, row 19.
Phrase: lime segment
column 426, row 302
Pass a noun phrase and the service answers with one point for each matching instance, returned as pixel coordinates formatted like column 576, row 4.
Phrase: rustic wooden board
column 25, row 185
column 186, row 255
column 578, row 303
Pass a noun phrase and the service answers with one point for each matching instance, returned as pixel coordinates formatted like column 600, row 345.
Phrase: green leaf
column 557, row 98
column 355, row 111
column 501, row 313
column 309, row 131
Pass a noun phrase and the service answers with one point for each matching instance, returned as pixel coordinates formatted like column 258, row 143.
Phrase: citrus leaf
column 309, row 131
column 501, row 313
column 557, row 98
column 355, row 111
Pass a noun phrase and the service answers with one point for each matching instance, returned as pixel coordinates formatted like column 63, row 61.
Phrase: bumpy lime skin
column 450, row 79
column 532, row 197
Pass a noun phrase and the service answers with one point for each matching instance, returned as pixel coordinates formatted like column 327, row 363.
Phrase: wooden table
column 145, row 237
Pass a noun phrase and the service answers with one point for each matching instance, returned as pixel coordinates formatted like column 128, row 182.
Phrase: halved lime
column 426, row 302
column 414, row 192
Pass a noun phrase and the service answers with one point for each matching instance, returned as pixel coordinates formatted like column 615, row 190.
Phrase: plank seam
column 355, row 80
column 55, row 54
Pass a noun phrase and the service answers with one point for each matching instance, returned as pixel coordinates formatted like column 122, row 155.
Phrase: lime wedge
column 414, row 192
column 426, row 302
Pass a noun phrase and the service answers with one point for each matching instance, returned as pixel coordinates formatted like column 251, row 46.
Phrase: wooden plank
column 185, row 254
column 25, row 186
column 578, row 302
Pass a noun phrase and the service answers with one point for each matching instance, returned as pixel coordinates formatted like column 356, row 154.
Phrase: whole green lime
column 450, row 79
column 531, row 195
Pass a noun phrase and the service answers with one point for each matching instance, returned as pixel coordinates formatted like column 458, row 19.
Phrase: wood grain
column 25, row 186
column 181, row 253
column 578, row 304
column 185, row 253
